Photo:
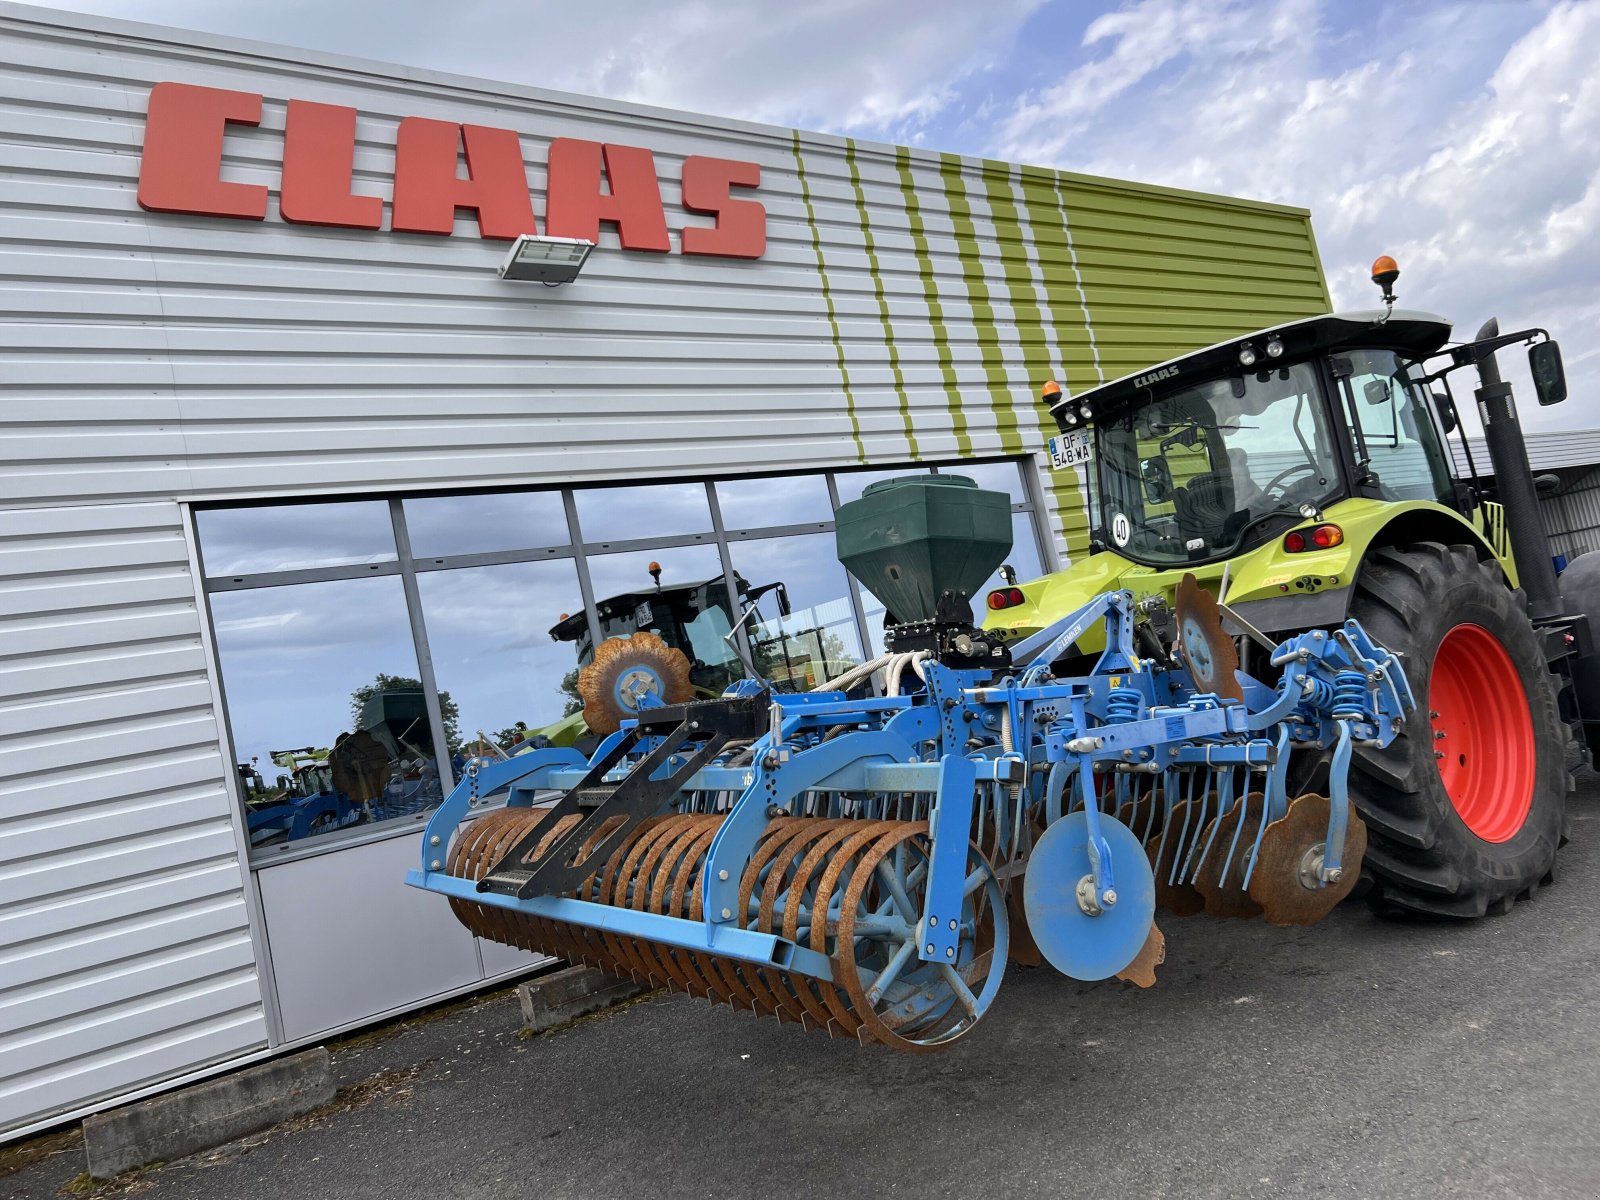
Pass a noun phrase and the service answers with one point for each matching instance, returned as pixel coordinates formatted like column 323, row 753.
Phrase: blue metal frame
column 976, row 750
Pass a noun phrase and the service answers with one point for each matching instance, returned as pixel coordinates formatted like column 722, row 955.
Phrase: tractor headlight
column 1274, row 348
column 1087, row 413
column 1247, row 355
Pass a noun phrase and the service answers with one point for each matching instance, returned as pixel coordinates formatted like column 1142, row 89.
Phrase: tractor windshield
column 1192, row 473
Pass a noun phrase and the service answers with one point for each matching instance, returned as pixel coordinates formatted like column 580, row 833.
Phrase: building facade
column 286, row 462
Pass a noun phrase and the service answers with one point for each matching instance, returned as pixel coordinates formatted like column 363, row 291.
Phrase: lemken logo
column 1155, row 377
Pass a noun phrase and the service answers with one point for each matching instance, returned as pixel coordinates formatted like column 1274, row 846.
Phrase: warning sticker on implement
column 1070, row 450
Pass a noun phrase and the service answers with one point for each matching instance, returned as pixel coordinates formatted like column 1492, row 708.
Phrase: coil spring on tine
column 1350, row 695
column 1319, row 693
column 1122, row 705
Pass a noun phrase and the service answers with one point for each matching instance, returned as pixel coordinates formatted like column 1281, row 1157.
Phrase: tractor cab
column 696, row 619
column 1214, row 454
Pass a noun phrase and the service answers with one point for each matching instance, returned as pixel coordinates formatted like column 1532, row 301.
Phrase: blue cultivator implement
column 868, row 865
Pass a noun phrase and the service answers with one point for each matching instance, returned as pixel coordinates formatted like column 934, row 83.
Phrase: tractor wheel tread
column 1424, row 858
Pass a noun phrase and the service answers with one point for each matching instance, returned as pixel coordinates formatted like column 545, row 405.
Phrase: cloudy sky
column 1461, row 136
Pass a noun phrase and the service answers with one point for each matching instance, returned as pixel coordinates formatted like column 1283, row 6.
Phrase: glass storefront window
column 329, row 717
column 818, row 639
column 445, row 525
column 284, row 537
column 852, row 483
column 995, row 477
column 625, row 514
column 1024, row 555
column 779, row 500
column 490, row 630
column 327, row 712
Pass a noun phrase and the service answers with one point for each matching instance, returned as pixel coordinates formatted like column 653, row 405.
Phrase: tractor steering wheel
column 1288, row 472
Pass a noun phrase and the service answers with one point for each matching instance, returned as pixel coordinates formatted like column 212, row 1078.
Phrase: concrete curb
column 570, row 993
column 208, row 1114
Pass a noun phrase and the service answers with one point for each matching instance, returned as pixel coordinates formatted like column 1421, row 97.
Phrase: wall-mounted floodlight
column 547, row 260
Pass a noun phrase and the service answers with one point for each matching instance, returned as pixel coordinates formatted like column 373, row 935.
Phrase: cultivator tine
column 1221, row 883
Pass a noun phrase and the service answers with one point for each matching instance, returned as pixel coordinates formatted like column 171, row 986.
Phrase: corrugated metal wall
column 1572, row 517
column 125, row 952
column 908, row 306
column 909, row 303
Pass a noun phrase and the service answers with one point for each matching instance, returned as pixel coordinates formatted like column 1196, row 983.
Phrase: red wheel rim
column 1482, row 733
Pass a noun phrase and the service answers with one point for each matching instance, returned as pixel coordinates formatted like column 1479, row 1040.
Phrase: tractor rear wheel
column 1466, row 807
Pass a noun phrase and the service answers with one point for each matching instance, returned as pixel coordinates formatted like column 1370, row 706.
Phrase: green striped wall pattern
column 953, row 287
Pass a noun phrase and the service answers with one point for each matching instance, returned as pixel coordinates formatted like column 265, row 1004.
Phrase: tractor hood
column 1276, row 591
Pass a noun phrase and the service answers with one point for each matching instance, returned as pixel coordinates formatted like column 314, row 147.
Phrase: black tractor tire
column 1424, row 858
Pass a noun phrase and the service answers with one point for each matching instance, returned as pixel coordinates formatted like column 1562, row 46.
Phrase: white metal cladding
column 1572, row 516
column 908, row 305
column 125, row 953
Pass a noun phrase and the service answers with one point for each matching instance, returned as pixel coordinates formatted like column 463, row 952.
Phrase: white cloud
column 845, row 65
column 1464, row 141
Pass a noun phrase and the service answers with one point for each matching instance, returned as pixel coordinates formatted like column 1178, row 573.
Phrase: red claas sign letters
column 589, row 182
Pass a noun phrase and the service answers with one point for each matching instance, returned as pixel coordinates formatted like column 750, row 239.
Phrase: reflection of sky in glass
column 995, row 477
column 291, row 656
column 441, row 525
column 240, row 541
column 1024, row 556
column 654, row 510
column 851, row 483
column 820, row 634
column 788, row 500
column 611, row 574
column 489, row 631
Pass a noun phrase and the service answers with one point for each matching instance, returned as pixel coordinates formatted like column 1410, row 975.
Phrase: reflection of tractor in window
column 373, row 774
column 677, row 641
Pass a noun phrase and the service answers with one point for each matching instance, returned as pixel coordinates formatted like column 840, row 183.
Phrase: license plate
column 1070, row 450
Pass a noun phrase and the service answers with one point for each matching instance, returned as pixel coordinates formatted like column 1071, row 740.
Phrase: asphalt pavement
column 1361, row 1057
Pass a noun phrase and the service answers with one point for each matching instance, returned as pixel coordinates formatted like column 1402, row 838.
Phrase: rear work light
column 1006, row 598
column 1318, row 537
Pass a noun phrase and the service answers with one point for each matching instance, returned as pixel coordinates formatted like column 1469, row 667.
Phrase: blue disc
column 1072, row 941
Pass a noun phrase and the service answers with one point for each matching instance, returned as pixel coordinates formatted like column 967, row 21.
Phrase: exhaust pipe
column 1530, row 544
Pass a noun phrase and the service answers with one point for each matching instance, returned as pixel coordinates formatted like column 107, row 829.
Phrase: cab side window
column 1394, row 430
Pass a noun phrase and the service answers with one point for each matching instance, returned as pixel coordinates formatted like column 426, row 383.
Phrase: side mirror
column 1377, row 391
column 1447, row 412
column 1157, row 477
column 784, row 608
column 1549, row 376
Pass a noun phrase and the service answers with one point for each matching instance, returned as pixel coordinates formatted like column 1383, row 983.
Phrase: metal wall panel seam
column 930, row 291
column 1066, row 500
column 1077, row 279
column 984, row 332
column 827, row 297
column 883, row 303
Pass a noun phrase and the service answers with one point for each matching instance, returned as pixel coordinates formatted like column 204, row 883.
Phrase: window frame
column 409, row 567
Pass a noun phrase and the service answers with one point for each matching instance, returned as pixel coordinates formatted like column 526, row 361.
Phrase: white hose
column 843, row 683
column 891, row 681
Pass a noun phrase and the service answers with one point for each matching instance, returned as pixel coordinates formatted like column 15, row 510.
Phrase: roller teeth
column 841, row 870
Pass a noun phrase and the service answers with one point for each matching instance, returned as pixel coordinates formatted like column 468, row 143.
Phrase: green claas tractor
column 1300, row 474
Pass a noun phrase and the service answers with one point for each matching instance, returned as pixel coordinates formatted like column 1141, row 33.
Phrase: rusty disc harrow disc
column 1205, row 648
column 1285, row 881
